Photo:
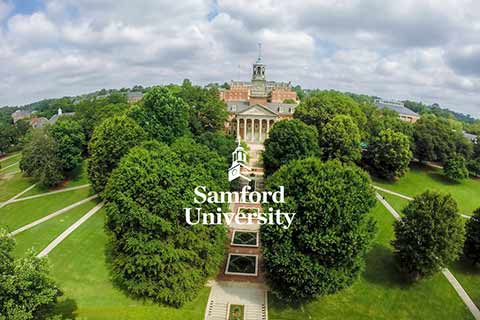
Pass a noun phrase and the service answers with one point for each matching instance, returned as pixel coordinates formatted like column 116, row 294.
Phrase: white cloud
column 425, row 50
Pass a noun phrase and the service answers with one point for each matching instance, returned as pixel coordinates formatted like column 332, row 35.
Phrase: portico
column 254, row 123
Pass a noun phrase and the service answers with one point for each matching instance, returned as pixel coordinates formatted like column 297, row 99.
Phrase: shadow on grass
column 466, row 267
column 381, row 268
column 441, row 178
column 66, row 309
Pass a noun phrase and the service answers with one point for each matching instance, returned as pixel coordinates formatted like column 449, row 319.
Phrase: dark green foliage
column 430, row 235
column 91, row 112
column 111, row 140
column 8, row 136
column 323, row 250
column 219, row 141
column 321, row 106
column 382, row 119
column 40, row 159
column 389, row 155
column 435, row 139
column 473, row 167
column 289, row 140
column 26, row 289
column 340, row 139
column 162, row 115
column 199, row 155
column 456, row 168
column 70, row 141
column 471, row 248
column 155, row 254
column 207, row 113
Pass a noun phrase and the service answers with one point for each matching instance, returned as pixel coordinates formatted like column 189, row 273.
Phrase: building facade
column 404, row 113
column 256, row 105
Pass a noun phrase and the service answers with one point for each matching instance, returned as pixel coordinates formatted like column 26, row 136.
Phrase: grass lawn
column 78, row 265
column 21, row 213
column 77, row 178
column 380, row 293
column 14, row 167
column 10, row 159
column 396, row 202
column 40, row 236
column 13, row 184
column 421, row 178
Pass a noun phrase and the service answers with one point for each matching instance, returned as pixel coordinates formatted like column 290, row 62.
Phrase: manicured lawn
column 40, row 236
column 10, row 185
column 79, row 267
column 14, row 167
column 380, row 292
column 10, row 159
column 21, row 213
column 77, row 178
column 421, row 178
column 396, row 202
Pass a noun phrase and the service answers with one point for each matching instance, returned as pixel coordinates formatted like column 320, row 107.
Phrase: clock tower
column 259, row 92
column 239, row 159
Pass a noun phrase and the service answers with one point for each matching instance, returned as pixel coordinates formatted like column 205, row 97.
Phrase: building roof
column 134, row 94
column 397, row 107
column 470, row 136
column 278, row 108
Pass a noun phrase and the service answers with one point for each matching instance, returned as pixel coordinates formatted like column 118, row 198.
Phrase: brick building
column 254, row 106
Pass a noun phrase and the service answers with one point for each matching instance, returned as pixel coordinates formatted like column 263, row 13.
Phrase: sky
column 411, row 49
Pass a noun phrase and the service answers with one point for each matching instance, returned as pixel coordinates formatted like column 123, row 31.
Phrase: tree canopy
column 70, row 140
column 323, row 250
column 455, row 168
column 27, row 291
column 162, row 115
column 388, row 155
column 430, row 235
column 340, row 139
column 471, row 248
column 154, row 253
column 289, row 140
column 111, row 140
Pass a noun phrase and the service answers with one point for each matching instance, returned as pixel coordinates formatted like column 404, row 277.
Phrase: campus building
column 404, row 113
column 254, row 106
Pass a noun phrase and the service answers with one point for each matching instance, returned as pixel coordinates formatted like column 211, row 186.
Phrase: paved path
column 50, row 193
column 252, row 296
column 453, row 281
column 9, row 157
column 410, row 198
column 393, row 192
column 70, row 229
column 17, row 195
column 52, row 215
column 11, row 165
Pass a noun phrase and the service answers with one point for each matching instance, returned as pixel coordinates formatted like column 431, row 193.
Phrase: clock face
column 234, row 172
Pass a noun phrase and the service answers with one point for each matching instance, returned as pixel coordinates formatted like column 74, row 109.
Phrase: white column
column 268, row 127
column 253, row 129
column 238, row 128
column 260, row 134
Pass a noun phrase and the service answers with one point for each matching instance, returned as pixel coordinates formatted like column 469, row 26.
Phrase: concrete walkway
column 50, row 193
column 9, row 157
column 451, row 279
column 52, row 215
column 17, row 195
column 410, row 198
column 70, row 229
column 11, row 165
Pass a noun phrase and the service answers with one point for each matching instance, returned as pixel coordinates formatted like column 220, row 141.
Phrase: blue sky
column 419, row 50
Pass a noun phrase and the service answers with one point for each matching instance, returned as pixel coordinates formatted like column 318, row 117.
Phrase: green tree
column 430, row 235
column 323, row 250
column 455, row 168
column 111, row 140
column 289, row 140
column 321, row 106
column 154, row 253
column 340, row 139
column 27, row 291
column 7, row 137
column 40, row 159
column 162, row 115
column 434, row 139
column 471, row 248
column 70, row 141
column 389, row 155
column 219, row 141
column 207, row 113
